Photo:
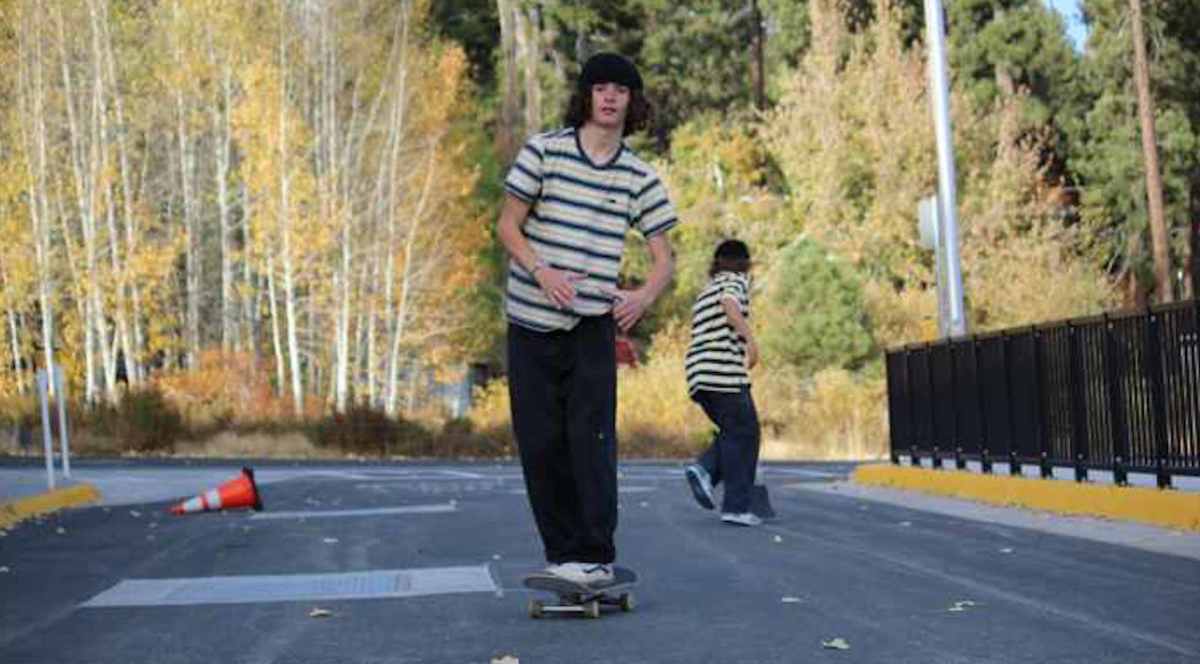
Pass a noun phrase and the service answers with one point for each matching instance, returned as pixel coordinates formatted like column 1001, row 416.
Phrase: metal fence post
column 1039, row 410
column 1014, row 464
column 1116, row 404
column 985, row 459
column 1078, row 416
column 1154, row 365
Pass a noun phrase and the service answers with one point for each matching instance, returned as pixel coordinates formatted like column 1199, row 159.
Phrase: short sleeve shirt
column 580, row 213
column 716, row 357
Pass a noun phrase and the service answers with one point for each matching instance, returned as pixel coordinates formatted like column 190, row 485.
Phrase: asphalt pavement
column 422, row 563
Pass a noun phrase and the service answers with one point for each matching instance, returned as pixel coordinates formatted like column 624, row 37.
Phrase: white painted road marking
column 373, row 511
column 254, row 589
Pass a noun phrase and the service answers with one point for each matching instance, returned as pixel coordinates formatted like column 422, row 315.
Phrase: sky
column 1076, row 30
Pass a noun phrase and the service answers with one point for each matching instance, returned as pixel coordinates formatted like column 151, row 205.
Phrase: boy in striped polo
column 717, row 363
column 571, row 197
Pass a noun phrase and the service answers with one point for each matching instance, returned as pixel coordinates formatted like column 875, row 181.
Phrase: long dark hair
column 637, row 118
column 730, row 256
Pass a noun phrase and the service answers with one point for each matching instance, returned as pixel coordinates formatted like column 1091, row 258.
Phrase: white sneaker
column 701, row 485
column 588, row 574
column 743, row 519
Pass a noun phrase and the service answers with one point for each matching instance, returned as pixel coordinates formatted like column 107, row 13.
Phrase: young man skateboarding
column 571, row 196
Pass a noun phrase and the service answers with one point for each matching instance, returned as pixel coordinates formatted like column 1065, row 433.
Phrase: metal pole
column 947, row 195
column 43, row 383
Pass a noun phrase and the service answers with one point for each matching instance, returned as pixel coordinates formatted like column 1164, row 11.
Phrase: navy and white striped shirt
column 716, row 358
column 580, row 213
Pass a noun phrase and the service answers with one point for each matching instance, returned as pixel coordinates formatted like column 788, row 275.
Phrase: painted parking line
column 372, row 511
column 620, row 489
column 255, row 589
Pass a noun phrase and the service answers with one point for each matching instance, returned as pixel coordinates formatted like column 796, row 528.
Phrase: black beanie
column 609, row 68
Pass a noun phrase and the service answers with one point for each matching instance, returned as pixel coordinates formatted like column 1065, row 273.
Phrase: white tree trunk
column 221, row 147
column 289, row 282
column 131, row 345
column 187, row 165
column 406, row 281
column 33, row 101
column 277, row 344
column 15, row 338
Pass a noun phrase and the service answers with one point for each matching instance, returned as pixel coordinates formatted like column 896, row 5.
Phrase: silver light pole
column 939, row 86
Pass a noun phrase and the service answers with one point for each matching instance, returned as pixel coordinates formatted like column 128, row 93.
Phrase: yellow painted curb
column 18, row 510
column 1171, row 509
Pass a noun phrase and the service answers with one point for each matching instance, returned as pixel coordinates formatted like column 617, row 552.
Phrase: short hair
column 637, row 117
column 730, row 256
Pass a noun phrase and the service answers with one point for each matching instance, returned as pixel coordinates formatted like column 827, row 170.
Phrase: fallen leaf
column 791, row 600
column 495, row 556
column 644, row 504
column 320, row 613
column 331, row 540
column 961, row 605
column 4, row 570
column 505, row 659
column 1007, row 549
column 60, row 530
column 836, row 644
column 135, row 514
column 778, row 539
column 906, row 523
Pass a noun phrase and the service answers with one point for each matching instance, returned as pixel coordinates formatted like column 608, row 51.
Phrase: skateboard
column 581, row 598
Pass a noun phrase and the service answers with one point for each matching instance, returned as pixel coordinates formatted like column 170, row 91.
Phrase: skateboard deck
column 581, row 598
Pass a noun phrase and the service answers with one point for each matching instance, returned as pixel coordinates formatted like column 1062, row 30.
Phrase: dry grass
column 833, row 415
column 231, row 444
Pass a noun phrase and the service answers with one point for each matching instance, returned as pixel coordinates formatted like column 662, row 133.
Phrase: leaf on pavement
column 331, row 540
column 505, row 659
column 835, row 644
column 791, row 600
column 320, row 613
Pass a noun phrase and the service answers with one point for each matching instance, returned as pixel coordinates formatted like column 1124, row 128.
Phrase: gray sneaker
column 701, row 485
column 743, row 519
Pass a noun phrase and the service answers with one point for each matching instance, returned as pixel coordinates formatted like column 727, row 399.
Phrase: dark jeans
column 733, row 455
column 563, row 388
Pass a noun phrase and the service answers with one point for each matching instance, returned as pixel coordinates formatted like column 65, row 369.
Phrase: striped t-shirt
column 579, row 215
column 716, row 358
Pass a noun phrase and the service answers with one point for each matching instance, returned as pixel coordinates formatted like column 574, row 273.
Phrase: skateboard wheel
column 535, row 608
column 592, row 609
column 626, row 601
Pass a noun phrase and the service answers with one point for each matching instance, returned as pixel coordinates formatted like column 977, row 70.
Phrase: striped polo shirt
column 716, row 358
column 579, row 214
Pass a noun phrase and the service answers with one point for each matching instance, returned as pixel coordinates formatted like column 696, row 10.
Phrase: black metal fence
column 1119, row 392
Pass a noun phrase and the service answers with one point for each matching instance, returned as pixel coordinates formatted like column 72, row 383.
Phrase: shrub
column 142, row 421
column 814, row 314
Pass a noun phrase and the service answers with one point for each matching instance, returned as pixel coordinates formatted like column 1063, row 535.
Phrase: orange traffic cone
column 240, row 491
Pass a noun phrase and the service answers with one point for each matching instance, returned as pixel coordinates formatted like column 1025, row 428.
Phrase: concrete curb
column 1170, row 509
column 13, row 512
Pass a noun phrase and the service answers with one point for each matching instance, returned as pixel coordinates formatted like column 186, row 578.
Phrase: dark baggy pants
column 563, row 389
column 733, row 455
